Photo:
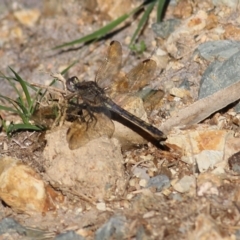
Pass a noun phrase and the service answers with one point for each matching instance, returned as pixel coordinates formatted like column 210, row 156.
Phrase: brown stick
column 203, row 108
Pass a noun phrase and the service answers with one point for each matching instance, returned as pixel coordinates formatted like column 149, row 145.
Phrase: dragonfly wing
column 141, row 75
column 111, row 65
column 80, row 132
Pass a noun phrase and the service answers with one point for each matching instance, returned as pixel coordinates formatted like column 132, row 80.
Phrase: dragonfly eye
column 75, row 80
column 71, row 84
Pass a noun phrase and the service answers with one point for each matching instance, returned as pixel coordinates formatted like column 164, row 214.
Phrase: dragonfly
column 97, row 95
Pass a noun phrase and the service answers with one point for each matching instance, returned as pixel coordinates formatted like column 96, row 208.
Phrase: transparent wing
column 111, row 65
column 141, row 75
column 80, row 132
column 137, row 78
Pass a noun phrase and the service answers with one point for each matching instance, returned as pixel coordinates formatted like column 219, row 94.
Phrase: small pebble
column 164, row 29
column 234, row 162
column 70, row 235
column 143, row 182
column 159, row 182
column 114, row 228
column 101, row 206
column 10, row 225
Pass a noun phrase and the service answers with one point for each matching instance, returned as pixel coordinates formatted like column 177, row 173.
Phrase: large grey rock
column 221, row 73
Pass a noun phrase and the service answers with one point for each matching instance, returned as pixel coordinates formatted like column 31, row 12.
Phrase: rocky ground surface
column 125, row 185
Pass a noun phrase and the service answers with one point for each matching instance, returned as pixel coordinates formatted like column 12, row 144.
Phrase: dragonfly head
column 71, row 84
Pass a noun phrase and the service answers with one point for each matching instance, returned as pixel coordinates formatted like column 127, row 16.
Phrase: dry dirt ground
column 111, row 188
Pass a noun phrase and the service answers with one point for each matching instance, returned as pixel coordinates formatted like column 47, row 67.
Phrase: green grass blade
column 97, row 34
column 17, row 107
column 10, row 79
column 142, row 21
column 21, row 126
column 35, row 99
column 9, row 109
column 26, row 111
column 160, row 8
column 102, row 31
column 23, row 108
column 67, row 68
column 27, row 84
column 38, row 93
column 13, row 102
column 24, row 87
column 3, row 124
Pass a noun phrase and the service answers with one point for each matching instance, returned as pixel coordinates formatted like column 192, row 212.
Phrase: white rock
column 101, row 206
column 143, row 183
column 207, row 159
column 184, row 184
